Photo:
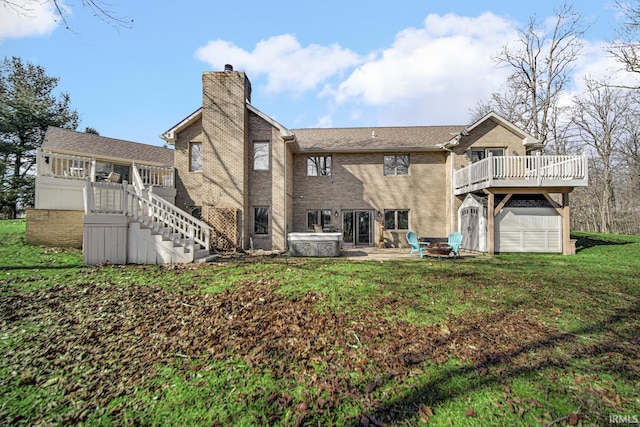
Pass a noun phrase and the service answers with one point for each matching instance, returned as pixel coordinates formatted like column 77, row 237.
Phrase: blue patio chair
column 416, row 246
column 455, row 240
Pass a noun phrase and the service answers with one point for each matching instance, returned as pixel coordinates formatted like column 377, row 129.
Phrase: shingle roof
column 92, row 145
column 375, row 138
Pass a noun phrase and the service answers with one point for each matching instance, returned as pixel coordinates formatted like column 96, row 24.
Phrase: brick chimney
column 225, row 139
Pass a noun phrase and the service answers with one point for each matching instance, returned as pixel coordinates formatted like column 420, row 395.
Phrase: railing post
column 39, row 161
column 538, row 169
column 124, row 197
column 192, row 240
column 585, row 166
column 491, row 170
column 88, row 197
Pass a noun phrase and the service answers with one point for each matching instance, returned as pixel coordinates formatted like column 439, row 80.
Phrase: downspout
column 287, row 139
column 451, row 204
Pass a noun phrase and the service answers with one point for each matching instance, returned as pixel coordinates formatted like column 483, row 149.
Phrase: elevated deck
column 522, row 172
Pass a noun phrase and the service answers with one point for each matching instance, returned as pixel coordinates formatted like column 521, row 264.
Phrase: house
column 244, row 181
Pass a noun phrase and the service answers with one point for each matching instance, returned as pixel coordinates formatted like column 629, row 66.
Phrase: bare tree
column 98, row 8
column 601, row 117
column 626, row 47
column 542, row 60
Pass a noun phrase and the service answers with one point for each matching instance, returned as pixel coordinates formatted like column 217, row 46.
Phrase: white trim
column 527, row 139
column 170, row 135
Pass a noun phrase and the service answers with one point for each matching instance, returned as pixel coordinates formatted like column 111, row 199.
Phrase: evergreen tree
column 28, row 105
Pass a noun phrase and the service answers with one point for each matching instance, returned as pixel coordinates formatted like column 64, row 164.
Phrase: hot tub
column 315, row 244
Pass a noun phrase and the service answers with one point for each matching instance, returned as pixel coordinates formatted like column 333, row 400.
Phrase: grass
column 514, row 339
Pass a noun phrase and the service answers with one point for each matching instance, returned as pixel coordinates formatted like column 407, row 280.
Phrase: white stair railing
column 138, row 184
column 152, row 211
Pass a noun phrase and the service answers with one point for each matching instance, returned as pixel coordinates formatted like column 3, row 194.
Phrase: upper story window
column 261, row 156
column 478, row 154
column 195, row 156
column 318, row 165
column 396, row 164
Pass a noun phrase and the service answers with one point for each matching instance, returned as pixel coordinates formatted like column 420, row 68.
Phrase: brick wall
column 55, row 228
column 265, row 186
column 189, row 187
column 358, row 183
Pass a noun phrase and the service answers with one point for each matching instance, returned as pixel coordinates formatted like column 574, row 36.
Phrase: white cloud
column 433, row 74
column 289, row 67
column 23, row 18
column 598, row 64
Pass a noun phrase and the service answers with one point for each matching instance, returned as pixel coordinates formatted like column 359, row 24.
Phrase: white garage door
column 528, row 230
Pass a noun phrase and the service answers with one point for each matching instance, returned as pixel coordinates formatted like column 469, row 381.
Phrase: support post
column 567, row 247
column 490, row 224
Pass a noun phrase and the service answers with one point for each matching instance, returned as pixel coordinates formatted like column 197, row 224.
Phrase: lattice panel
column 225, row 227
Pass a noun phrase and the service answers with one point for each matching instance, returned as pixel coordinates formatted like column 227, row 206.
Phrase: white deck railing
column 153, row 211
column 82, row 168
column 64, row 166
column 155, row 176
column 522, row 171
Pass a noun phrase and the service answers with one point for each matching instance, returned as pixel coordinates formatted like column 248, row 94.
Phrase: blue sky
column 330, row 63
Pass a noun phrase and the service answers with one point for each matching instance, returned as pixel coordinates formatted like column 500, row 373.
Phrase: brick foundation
column 55, row 228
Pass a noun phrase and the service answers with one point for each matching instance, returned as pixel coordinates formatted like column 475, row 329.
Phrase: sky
column 329, row 63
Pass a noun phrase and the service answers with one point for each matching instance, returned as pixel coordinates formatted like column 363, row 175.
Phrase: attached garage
column 528, row 229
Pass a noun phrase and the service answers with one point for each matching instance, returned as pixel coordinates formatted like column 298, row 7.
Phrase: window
column 396, row 220
column 396, row 164
column 321, row 217
column 195, row 156
column 261, row 156
column 482, row 153
column 123, row 171
column 319, row 166
column 103, row 170
column 261, row 220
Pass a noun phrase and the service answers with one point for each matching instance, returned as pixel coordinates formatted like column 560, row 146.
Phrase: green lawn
column 514, row 340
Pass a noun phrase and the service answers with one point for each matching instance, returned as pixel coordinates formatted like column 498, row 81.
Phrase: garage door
column 528, row 230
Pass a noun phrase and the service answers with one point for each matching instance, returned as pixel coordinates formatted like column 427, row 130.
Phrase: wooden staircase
column 158, row 232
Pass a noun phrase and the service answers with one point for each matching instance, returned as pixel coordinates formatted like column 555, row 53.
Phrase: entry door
column 356, row 228
column 473, row 229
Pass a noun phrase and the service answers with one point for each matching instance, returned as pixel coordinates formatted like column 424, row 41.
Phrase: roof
column 376, row 138
column 92, row 145
column 170, row 135
column 527, row 139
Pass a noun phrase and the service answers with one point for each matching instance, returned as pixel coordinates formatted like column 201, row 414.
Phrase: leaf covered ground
column 93, row 343
column 513, row 340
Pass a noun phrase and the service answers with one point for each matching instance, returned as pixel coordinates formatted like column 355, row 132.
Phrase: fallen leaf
column 574, row 419
column 425, row 412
